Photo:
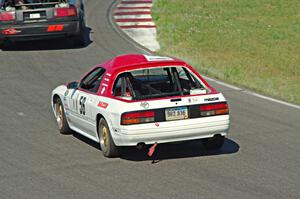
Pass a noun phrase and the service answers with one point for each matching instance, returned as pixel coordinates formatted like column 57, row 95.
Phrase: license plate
column 177, row 113
column 34, row 16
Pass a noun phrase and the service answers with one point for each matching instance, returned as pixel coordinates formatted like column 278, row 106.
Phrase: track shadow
column 87, row 140
column 179, row 150
column 47, row 44
column 168, row 151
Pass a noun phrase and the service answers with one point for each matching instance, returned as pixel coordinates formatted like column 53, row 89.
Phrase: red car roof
column 131, row 60
column 126, row 62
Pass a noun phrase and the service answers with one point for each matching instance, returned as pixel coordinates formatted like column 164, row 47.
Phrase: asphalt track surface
column 260, row 158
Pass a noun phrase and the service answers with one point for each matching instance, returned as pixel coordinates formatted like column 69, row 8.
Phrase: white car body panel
column 149, row 133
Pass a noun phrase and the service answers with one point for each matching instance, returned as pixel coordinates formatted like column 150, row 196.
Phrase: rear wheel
column 80, row 39
column 108, row 147
column 213, row 143
column 61, row 120
column 2, row 44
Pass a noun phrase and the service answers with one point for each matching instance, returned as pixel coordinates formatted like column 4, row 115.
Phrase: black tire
column 2, row 44
column 61, row 119
column 213, row 143
column 80, row 39
column 108, row 147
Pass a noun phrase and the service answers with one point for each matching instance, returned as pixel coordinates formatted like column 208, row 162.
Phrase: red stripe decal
column 132, row 13
column 134, row 20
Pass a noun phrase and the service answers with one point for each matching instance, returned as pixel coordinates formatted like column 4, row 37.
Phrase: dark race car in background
column 42, row 19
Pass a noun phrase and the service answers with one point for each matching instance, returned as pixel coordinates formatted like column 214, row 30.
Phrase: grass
column 253, row 44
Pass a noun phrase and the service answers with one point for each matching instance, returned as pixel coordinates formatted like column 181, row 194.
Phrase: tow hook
column 152, row 149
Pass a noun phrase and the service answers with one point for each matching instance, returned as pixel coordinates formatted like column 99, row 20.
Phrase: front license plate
column 177, row 113
column 34, row 16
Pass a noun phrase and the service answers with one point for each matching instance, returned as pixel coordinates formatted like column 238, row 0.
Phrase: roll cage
column 169, row 81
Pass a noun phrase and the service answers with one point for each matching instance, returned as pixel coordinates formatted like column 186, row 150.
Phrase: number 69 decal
column 82, row 101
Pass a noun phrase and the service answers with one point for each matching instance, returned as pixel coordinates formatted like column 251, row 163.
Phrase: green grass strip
column 253, row 44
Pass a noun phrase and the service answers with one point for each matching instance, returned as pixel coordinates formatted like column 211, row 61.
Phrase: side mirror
column 72, row 85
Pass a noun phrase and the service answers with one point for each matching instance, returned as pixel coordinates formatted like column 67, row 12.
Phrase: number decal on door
column 82, row 105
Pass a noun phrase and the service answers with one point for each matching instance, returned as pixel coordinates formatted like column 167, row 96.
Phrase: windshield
column 11, row 5
column 157, row 82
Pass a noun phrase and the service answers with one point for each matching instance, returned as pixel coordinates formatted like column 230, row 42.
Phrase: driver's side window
column 92, row 81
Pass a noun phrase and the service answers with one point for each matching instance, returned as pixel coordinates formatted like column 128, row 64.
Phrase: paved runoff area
column 134, row 18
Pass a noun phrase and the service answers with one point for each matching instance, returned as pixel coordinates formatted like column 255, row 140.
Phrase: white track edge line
column 252, row 93
column 222, row 83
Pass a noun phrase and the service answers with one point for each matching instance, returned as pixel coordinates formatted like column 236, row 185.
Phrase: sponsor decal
column 195, row 99
column 157, row 58
column 102, row 104
column 67, row 92
column 157, row 124
column 108, row 74
column 103, row 84
column 211, row 99
column 106, row 79
column 145, row 105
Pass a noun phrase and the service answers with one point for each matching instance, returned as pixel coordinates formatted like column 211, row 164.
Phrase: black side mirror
column 72, row 85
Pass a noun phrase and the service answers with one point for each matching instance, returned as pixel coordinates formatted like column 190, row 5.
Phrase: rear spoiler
column 37, row 4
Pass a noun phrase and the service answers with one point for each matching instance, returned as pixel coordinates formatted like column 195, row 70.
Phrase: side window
column 122, row 87
column 187, row 79
column 182, row 74
column 92, row 81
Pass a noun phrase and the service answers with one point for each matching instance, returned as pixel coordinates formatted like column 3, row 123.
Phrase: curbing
column 135, row 20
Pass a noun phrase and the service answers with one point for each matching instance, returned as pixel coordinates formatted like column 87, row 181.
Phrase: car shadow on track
column 48, row 44
column 180, row 150
column 87, row 141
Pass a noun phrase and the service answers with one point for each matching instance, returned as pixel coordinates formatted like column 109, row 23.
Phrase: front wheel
column 108, row 147
column 213, row 143
column 61, row 119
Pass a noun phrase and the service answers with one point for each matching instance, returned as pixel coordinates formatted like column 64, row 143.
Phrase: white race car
column 136, row 100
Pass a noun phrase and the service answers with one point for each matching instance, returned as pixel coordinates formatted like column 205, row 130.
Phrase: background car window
column 92, row 81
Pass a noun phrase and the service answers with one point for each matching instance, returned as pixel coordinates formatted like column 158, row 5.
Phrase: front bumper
column 172, row 131
column 41, row 30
